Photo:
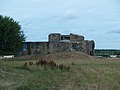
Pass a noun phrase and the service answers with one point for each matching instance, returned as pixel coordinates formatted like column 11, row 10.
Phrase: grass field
column 86, row 73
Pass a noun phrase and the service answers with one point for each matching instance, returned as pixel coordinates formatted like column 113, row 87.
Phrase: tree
column 11, row 36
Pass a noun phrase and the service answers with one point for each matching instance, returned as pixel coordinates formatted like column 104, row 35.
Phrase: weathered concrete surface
column 55, row 37
column 59, row 43
column 31, row 48
column 74, row 37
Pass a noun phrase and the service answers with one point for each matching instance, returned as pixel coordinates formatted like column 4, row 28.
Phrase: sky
column 97, row 20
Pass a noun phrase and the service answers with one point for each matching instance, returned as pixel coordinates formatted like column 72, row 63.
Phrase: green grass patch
column 83, row 75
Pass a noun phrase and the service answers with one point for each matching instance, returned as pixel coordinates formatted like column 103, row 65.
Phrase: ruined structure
column 59, row 43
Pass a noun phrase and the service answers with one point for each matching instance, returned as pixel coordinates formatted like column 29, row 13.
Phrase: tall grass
column 96, row 74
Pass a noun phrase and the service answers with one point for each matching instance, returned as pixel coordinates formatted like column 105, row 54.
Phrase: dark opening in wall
column 65, row 38
column 29, row 49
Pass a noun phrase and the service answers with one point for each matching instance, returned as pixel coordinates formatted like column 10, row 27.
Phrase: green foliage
column 11, row 36
column 106, row 52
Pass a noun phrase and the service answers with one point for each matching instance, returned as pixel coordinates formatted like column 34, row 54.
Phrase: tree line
column 105, row 52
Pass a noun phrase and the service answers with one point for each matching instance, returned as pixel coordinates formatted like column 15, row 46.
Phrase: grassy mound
column 60, row 55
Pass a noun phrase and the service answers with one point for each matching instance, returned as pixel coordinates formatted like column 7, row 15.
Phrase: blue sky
column 97, row 20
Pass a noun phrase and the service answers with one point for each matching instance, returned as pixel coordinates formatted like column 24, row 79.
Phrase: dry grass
column 86, row 73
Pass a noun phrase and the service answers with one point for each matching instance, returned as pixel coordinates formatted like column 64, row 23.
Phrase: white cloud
column 70, row 14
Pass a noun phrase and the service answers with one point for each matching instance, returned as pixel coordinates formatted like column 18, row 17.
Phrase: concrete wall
column 59, row 46
column 31, row 48
column 90, row 45
column 59, row 43
column 74, row 37
column 55, row 37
